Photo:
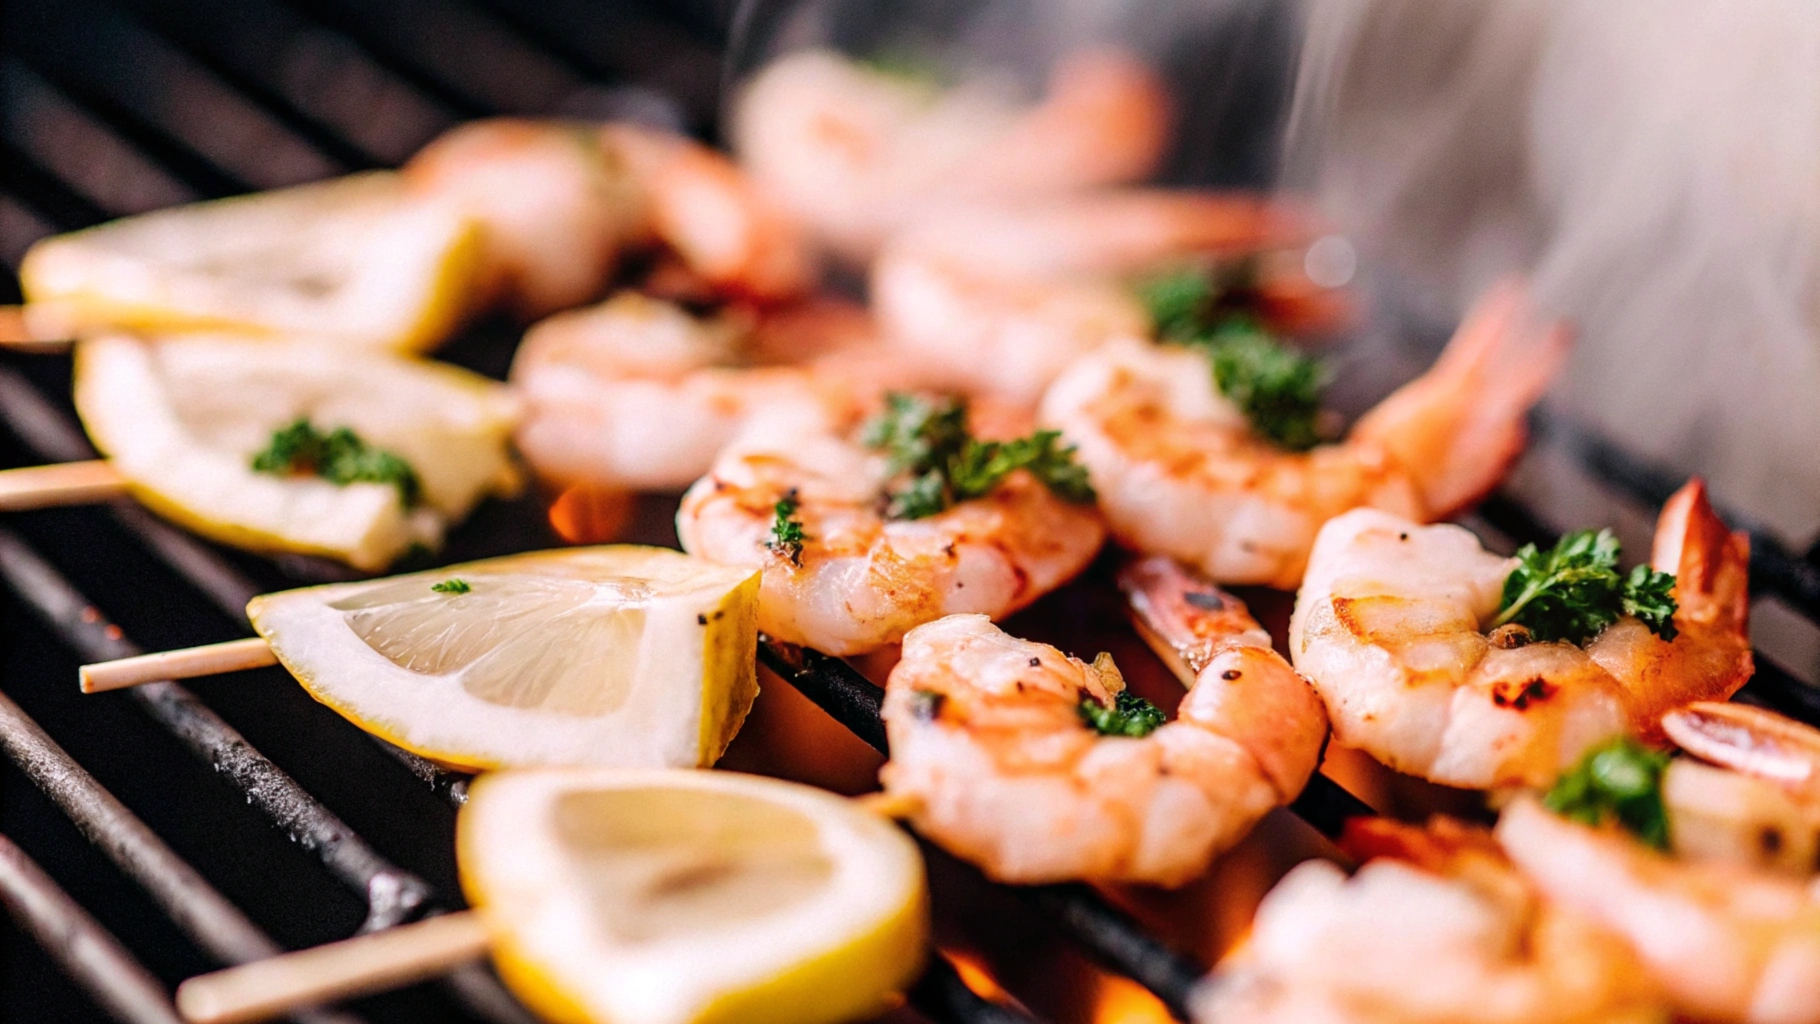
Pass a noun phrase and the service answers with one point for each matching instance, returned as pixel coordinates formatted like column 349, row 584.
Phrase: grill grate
column 311, row 88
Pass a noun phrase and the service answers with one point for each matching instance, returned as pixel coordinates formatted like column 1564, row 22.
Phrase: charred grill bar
column 493, row 56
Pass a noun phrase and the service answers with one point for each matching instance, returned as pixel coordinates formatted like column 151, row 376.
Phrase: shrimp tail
column 1182, row 616
column 1710, row 562
column 1751, row 740
column 1457, row 428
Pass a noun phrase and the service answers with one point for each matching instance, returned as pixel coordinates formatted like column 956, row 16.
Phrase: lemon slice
column 622, row 655
column 690, row 897
column 182, row 420
column 353, row 259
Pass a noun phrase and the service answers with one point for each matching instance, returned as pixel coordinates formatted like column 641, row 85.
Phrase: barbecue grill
column 187, row 829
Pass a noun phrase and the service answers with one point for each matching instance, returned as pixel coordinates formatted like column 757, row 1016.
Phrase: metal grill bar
column 198, row 909
column 392, row 895
column 84, row 949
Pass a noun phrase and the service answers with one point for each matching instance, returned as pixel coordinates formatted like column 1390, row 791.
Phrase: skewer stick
column 339, row 970
column 61, row 483
column 16, row 333
column 188, row 663
column 369, row 963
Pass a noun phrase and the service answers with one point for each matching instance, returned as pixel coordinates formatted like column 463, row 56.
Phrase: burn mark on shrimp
column 1770, row 841
column 701, row 620
column 1402, row 536
column 1206, row 600
column 1230, row 674
column 1510, row 694
column 926, row 705
column 948, row 549
column 1036, row 663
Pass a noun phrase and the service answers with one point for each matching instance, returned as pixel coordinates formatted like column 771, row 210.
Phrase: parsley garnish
column 1277, row 388
column 787, row 537
column 1128, row 715
column 453, row 585
column 1573, row 591
column 1620, row 781
column 340, row 456
column 937, row 464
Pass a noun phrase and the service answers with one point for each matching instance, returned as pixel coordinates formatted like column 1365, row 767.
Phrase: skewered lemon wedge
column 622, row 655
column 185, row 420
column 690, row 897
column 353, row 259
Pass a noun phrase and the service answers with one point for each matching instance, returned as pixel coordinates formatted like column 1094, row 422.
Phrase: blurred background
column 1654, row 169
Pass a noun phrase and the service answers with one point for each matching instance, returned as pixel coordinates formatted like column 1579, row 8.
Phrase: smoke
column 1654, row 167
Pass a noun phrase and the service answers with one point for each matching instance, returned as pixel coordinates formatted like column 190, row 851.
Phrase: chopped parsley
column 935, row 463
column 453, row 585
column 1127, row 715
column 340, row 456
column 1573, row 591
column 1620, row 782
column 1277, row 388
column 786, row 540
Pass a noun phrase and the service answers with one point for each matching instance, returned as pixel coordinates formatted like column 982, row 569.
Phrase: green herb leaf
column 341, row 457
column 1128, row 715
column 1277, row 388
column 1573, row 591
column 1192, row 302
column 453, row 585
column 937, row 463
column 786, row 540
column 1649, row 595
column 1620, row 782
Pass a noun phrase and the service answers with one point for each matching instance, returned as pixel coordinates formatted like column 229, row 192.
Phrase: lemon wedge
column 183, row 420
column 690, row 897
column 355, row 260
column 621, row 655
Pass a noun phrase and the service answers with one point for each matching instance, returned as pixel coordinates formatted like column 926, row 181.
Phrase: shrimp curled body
column 1180, row 473
column 987, row 737
column 1390, row 629
column 860, row 580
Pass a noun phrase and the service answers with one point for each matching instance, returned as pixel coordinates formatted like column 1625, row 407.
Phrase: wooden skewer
column 339, row 970
column 61, row 483
column 369, row 963
column 17, row 333
column 188, row 663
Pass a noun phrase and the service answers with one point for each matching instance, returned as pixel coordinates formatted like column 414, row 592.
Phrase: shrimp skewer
column 858, row 579
column 560, row 204
column 1728, row 921
column 1180, row 472
column 858, row 153
column 1002, row 299
column 1435, row 928
column 989, row 739
column 1390, row 627
column 637, row 393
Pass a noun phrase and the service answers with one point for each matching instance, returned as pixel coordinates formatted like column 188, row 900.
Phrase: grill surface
column 110, row 107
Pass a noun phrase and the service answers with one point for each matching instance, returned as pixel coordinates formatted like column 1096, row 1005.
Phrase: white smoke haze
column 1653, row 166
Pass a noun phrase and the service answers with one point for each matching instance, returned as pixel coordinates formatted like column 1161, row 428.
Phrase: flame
column 590, row 514
column 975, row 976
column 1122, row 1001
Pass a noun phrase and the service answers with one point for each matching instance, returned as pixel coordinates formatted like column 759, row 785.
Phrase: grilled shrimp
column 555, row 213
column 1727, row 943
column 859, row 580
column 1435, row 928
column 559, row 204
column 1180, row 473
column 1002, row 299
column 1390, row 628
column 989, row 740
column 857, row 153
column 638, row 393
